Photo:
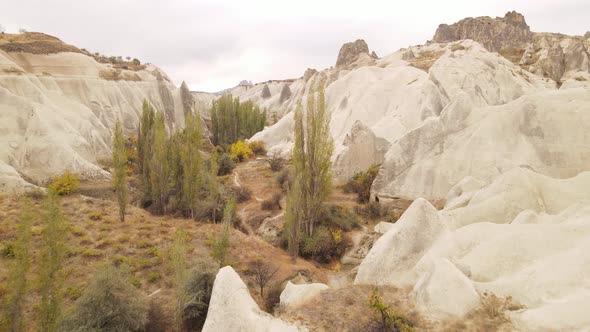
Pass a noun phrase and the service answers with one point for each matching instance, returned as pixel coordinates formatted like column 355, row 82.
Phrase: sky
column 214, row 44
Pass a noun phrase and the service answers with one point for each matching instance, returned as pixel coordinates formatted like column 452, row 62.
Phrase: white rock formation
column 383, row 226
column 58, row 111
column 231, row 308
column 294, row 295
column 525, row 235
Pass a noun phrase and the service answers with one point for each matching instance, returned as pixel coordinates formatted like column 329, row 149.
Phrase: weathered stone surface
column 493, row 33
column 231, row 308
column 295, row 295
column 350, row 52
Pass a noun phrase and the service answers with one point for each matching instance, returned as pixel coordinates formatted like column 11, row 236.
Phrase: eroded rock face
column 493, row 33
column 295, row 295
column 231, row 308
column 350, row 52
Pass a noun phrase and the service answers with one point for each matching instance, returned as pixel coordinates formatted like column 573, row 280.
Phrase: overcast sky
column 213, row 44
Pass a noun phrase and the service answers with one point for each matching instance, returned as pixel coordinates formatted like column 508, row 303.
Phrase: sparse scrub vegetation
column 387, row 319
column 257, row 148
column 361, row 182
column 65, row 184
column 276, row 162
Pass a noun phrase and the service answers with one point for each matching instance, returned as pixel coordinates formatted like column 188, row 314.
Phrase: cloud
column 214, row 44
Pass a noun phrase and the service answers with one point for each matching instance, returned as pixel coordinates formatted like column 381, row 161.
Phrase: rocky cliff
column 59, row 106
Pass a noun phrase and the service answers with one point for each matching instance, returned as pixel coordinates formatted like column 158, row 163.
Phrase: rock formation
column 231, row 308
column 494, row 34
column 350, row 52
column 295, row 295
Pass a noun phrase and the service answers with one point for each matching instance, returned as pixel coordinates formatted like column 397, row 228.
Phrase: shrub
column 272, row 203
column 136, row 62
column 153, row 277
column 338, row 217
column 361, row 182
column 8, row 250
column 109, row 303
column 320, row 246
column 73, row 293
column 65, row 184
column 226, row 165
column 276, row 162
column 372, row 210
column 198, row 289
column 273, row 296
column 257, row 148
column 242, row 194
column 36, row 194
column 283, row 179
column 240, row 151
column 387, row 318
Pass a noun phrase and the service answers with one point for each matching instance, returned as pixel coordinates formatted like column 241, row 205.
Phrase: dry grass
column 490, row 316
column 425, row 59
column 141, row 242
column 512, row 54
column 34, row 43
column 117, row 75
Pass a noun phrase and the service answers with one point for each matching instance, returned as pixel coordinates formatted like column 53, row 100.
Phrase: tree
column 263, row 273
column 120, row 169
column 192, row 162
column 144, row 146
column 159, row 166
column 198, row 289
column 220, row 245
column 312, row 151
column 177, row 258
column 212, row 185
column 52, row 256
column 109, row 303
column 11, row 316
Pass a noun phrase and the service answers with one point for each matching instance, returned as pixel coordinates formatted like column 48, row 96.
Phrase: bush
column 242, row 194
column 272, row 203
column 65, row 184
column 372, row 210
column 322, row 246
column 338, row 217
column 361, row 182
column 136, row 62
column 109, row 303
column 283, row 179
column 36, row 194
column 276, row 162
column 257, row 148
column 8, row 250
column 198, row 289
column 240, row 151
column 153, row 277
column 387, row 319
column 226, row 165
column 273, row 296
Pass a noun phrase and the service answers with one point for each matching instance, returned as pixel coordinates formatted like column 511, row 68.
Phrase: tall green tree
column 192, row 162
column 233, row 120
column 120, row 169
column 311, row 155
column 178, row 260
column 221, row 245
column 52, row 257
column 144, row 146
column 159, row 166
column 11, row 318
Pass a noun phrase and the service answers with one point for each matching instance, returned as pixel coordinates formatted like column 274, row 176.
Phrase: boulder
column 295, row 295
column 383, row 227
column 394, row 255
column 231, row 308
column 445, row 292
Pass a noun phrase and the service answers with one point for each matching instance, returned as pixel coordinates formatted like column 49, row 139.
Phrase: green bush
column 198, row 289
column 226, row 165
column 240, row 151
column 109, row 303
column 257, row 148
column 322, row 245
column 136, row 62
column 153, row 277
column 65, row 184
column 387, row 319
column 361, row 182
column 338, row 217
column 8, row 250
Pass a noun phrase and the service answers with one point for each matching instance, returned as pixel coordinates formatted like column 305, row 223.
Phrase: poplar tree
column 52, row 256
column 177, row 259
column 120, row 169
column 311, row 156
column 144, row 146
column 192, row 162
column 212, row 185
column 11, row 318
column 159, row 166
